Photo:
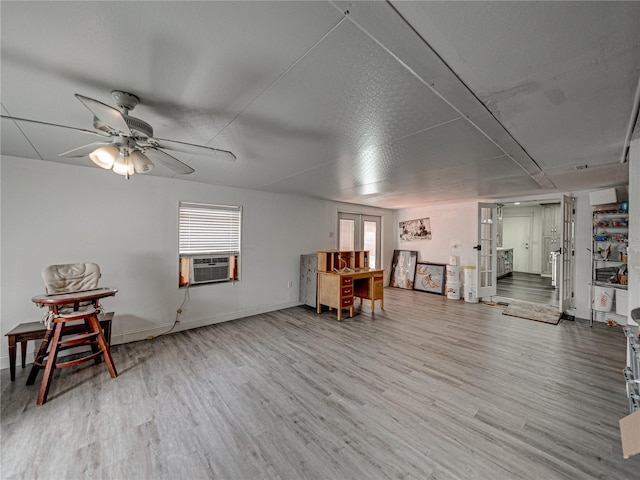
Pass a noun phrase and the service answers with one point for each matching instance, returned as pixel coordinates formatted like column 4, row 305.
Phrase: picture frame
column 419, row 229
column 403, row 269
column 430, row 277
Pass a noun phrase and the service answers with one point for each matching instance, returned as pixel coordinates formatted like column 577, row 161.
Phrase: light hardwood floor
column 428, row 388
column 530, row 287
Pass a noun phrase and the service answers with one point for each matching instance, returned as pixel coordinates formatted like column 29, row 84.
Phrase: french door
column 565, row 272
column 360, row 232
column 486, row 260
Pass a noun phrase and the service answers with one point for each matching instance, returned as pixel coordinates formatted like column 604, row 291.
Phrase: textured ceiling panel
column 344, row 97
column 13, row 142
column 195, row 65
column 559, row 75
column 473, row 176
column 391, row 104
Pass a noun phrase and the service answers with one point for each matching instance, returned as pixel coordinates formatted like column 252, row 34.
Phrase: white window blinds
column 209, row 229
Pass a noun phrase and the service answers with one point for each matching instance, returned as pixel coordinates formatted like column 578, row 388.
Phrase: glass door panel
column 360, row 232
column 347, row 234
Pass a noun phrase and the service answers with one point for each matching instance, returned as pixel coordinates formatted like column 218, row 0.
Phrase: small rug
column 533, row 311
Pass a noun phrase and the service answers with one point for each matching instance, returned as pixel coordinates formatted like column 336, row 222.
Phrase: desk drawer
column 346, row 302
column 347, row 292
column 346, row 281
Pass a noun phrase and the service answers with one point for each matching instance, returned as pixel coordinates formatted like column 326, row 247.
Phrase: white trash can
column 453, row 290
column 470, row 293
column 453, row 273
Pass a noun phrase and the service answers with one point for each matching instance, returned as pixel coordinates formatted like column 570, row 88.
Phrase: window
column 360, row 232
column 208, row 243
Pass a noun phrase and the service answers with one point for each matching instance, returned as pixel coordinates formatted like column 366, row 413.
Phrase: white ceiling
column 391, row 104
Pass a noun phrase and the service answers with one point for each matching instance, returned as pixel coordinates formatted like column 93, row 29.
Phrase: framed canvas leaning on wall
column 430, row 277
column 403, row 269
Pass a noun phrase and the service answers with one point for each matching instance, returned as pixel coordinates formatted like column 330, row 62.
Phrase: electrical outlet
column 290, row 284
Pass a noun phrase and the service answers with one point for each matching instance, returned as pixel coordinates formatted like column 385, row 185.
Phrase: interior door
column 486, row 263
column 517, row 235
column 565, row 268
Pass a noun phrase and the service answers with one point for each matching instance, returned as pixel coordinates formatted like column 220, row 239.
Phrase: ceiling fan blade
column 167, row 160
column 110, row 116
column 84, row 150
column 83, row 130
column 193, row 149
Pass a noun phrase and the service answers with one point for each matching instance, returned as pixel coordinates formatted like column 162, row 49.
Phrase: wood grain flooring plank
column 428, row 388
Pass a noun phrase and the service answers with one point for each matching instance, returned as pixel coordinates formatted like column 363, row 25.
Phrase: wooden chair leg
column 50, row 365
column 94, row 348
column 42, row 352
column 104, row 346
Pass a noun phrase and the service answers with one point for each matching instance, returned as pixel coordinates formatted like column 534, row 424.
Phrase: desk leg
column 371, row 290
column 23, row 353
column 12, row 357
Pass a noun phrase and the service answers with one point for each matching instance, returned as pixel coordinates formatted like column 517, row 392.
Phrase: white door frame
column 487, row 253
column 567, row 253
column 359, row 219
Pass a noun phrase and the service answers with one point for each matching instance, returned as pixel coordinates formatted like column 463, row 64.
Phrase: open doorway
column 529, row 240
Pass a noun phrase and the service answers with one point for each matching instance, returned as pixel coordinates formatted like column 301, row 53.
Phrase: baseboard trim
column 146, row 334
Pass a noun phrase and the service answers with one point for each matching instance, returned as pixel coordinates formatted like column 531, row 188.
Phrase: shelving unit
column 337, row 260
column 504, row 262
column 610, row 234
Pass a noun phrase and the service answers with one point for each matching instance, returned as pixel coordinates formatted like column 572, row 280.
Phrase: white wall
column 55, row 213
column 454, row 231
column 456, row 223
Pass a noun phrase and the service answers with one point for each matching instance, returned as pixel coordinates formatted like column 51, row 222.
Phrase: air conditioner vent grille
column 209, row 269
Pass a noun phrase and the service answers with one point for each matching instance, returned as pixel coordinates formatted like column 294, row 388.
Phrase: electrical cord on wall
column 178, row 313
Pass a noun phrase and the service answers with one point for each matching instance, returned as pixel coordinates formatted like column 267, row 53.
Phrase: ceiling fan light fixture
column 105, row 157
column 141, row 163
column 123, row 166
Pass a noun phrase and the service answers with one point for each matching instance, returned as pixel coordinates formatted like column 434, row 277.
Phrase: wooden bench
column 36, row 331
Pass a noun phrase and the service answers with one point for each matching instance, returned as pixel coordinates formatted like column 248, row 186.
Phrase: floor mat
column 533, row 311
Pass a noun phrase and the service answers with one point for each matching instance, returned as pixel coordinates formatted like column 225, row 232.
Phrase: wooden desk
column 337, row 290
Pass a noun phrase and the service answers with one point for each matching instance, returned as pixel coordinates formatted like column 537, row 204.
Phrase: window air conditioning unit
column 210, row 268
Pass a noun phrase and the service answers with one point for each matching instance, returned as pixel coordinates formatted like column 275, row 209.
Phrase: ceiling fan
column 127, row 144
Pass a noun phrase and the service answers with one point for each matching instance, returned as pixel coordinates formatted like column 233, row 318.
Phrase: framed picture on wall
column 430, row 277
column 403, row 269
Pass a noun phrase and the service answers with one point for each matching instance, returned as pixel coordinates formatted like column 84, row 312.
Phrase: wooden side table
column 36, row 331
